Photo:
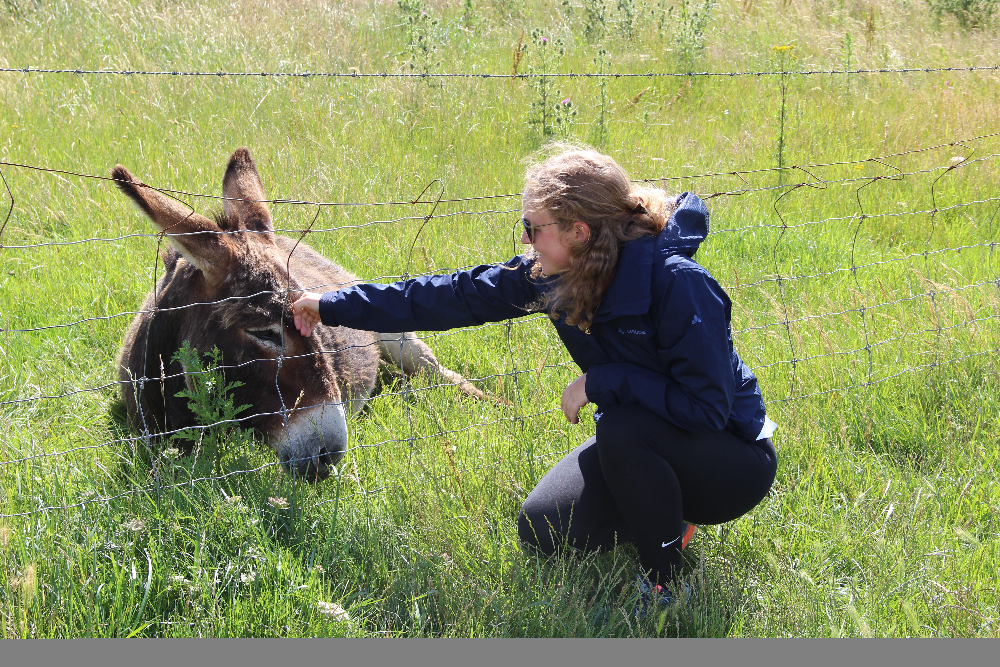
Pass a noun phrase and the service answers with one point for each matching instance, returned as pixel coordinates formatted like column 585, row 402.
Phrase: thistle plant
column 421, row 39
column 599, row 16
column 602, row 63
column 690, row 20
column 783, row 56
column 595, row 19
column 847, row 51
column 626, row 18
column 551, row 117
column 563, row 118
column 469, row 16
column 970, row 14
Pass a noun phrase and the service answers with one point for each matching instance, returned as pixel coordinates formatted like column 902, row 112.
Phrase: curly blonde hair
column 583, row 185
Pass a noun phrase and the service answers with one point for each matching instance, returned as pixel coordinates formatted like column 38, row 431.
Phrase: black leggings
column 637, row 481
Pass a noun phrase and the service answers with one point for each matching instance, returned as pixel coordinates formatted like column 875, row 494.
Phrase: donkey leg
column 411, row 354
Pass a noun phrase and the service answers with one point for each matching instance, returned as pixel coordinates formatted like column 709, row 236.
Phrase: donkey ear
column 244, row 194
column 199, row 239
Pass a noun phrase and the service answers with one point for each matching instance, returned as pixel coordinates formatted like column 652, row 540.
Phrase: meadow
column 854, row 225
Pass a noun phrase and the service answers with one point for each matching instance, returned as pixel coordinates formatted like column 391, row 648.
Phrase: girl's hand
column 574, row 397
column 305, row 312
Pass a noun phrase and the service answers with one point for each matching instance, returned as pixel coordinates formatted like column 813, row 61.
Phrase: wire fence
column 488, row 75
column 916, row 297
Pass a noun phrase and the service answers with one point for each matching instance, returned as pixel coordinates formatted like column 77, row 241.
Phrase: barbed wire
column 839, row 163
column 275, row 201
column 277, row 230
column 784, row 278
column 715, row 232
column 485, row 75
column 821, row 184
column 705, row 195
column 417, row 201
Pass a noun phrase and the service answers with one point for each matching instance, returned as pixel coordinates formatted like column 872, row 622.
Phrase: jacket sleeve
column 488, row 293
column 696, row 386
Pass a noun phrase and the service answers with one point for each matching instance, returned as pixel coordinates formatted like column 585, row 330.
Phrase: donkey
column 230, row 283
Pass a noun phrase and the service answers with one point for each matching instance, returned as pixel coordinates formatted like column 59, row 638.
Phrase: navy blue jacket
column 660, row 337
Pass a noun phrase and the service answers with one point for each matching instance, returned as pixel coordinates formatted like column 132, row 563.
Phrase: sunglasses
column 528, row 227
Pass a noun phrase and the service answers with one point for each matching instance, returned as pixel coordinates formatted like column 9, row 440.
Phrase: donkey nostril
column 304, row 467
column 318, row 467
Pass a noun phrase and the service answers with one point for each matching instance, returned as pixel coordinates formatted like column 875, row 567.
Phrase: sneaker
column 650, row 593
column 653, row 596
column 687, row 533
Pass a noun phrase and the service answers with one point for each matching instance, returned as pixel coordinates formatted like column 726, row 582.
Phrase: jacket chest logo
column 632, row 332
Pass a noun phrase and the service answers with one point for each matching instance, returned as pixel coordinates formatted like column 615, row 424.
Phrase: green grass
column 883, row 519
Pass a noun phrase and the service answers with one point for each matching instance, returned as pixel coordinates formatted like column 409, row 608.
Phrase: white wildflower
column 136, row 525
column 333, row 610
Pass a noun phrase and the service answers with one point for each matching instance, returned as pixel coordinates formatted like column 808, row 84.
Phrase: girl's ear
column 581, row 231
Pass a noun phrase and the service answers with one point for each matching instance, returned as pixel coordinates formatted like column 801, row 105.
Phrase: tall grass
column 883, row 519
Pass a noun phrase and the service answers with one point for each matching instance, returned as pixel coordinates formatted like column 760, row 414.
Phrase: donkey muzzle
column 313, row 442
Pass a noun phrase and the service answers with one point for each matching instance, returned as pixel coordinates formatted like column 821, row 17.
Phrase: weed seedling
column 210, row 399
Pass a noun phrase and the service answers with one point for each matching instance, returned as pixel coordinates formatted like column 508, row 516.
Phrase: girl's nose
column 524, row 238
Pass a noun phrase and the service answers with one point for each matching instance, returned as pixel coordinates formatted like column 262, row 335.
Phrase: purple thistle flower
column 565, row 101
column 545, row 39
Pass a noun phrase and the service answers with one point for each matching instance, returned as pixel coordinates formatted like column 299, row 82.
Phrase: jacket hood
column 629, row 292
column 687, row 226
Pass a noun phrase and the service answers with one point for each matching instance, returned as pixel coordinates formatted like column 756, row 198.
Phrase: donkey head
column 231, row 288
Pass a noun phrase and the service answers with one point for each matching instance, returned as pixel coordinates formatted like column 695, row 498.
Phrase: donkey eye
column 266, row 336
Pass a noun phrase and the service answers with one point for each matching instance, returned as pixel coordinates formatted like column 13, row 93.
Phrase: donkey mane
column 228, row 222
